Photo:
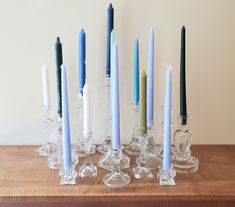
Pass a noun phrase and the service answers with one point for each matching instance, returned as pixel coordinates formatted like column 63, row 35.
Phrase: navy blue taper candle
column 82, row 60
column 58, row 62
column 109, row 30
column 183, row 102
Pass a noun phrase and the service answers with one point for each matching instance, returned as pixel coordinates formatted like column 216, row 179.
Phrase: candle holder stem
column 116, row 178
column 133, row 148
column 106, row 145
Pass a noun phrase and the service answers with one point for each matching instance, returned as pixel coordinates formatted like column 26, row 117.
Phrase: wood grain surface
column 25, row 180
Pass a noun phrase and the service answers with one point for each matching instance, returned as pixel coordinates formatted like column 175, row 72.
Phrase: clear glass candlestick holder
column 106, row 160
column 49, row 132
column 68, row 177
column 151, row 153
column 142, row 169
column 106, row 145
column 55, row 160
column 166, row 177
column 160, row 147
column 88, row 169
column 133, row 148
column 116, row 178
column 183, row 161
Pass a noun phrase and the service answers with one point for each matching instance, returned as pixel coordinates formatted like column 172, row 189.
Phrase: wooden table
column 25, row 180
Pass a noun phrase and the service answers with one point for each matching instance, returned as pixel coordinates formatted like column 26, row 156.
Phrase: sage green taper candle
column 142, row 104
column 183, row 103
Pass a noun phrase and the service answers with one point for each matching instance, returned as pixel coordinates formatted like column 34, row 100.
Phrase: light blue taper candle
column 150, row 80
column 82, row 60
column 136, row 73
column 167, row 123
column 112, row 40
column 65, row 121
column 115, row 101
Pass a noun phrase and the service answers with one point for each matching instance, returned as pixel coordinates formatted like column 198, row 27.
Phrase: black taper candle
column 58, row 62
column 109, row 30
column 183, row 102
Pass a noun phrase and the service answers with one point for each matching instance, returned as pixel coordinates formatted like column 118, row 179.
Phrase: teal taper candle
column 183, row 103
column 58, row 62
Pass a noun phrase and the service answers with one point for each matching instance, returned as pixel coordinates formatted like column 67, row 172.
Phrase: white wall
column 27, row 34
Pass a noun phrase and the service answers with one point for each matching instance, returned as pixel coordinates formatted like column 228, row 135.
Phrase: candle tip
column 143, row 73
column 58, row 39
column 110, row 6
column 183, row 27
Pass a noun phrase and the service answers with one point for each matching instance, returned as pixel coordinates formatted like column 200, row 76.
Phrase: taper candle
column 109, row 29
column 112, row 40
column 82, row 60
column 67, row 163
column 142, row 104
column 59, row 62
column 150, row 82
column 136, row 73
column 167, row 123
column 86, row 111
column 183, row 104
column 115, row 101
column 46, row 88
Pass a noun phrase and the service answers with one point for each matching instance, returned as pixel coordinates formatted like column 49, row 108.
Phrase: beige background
column 27, row 35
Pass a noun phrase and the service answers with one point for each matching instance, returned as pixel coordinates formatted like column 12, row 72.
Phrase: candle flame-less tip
column 110, row 6
column 183, row 28
column 57, row 39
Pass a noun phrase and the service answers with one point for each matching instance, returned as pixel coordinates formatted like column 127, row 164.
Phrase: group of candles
column 143, row 94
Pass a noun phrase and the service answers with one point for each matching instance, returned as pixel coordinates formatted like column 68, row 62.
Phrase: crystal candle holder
column 80, row 147
column 106, row 161
column 55, row 160
column 166, row 177
column 88, row 169
column 183, row 161
column 160, row 147
column 151, row 154
column 133, row 148
column 142, row 169
column 48, row 131
column 68, row 177
column 116, row 178
column 106, row 146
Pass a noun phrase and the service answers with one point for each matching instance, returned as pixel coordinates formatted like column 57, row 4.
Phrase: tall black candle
column 58, row 62
column 183, row 102
column 109, row 30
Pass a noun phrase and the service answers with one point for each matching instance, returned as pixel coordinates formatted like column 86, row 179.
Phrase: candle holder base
column 152, row 161
column 88, row 170
column 142, row 170
column 55, row 160
column 68, row 177
column 106, row 162
column 106, row 146
column 47, row 149
column 166, row 177
column 188, row 165
column 116, row 178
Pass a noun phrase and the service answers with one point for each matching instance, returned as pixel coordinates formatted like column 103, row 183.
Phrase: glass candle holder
column 166, row 177
column 133, row 148
column 48, row 131
column 88, row 169
column 183, row 161
column 151, row 153
column 160, row 147
column 116, row 178
column 106, row 145
column 55, row 160
column 106, row 161
column 68, row 177
column 80, row 147
column 142, row 169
